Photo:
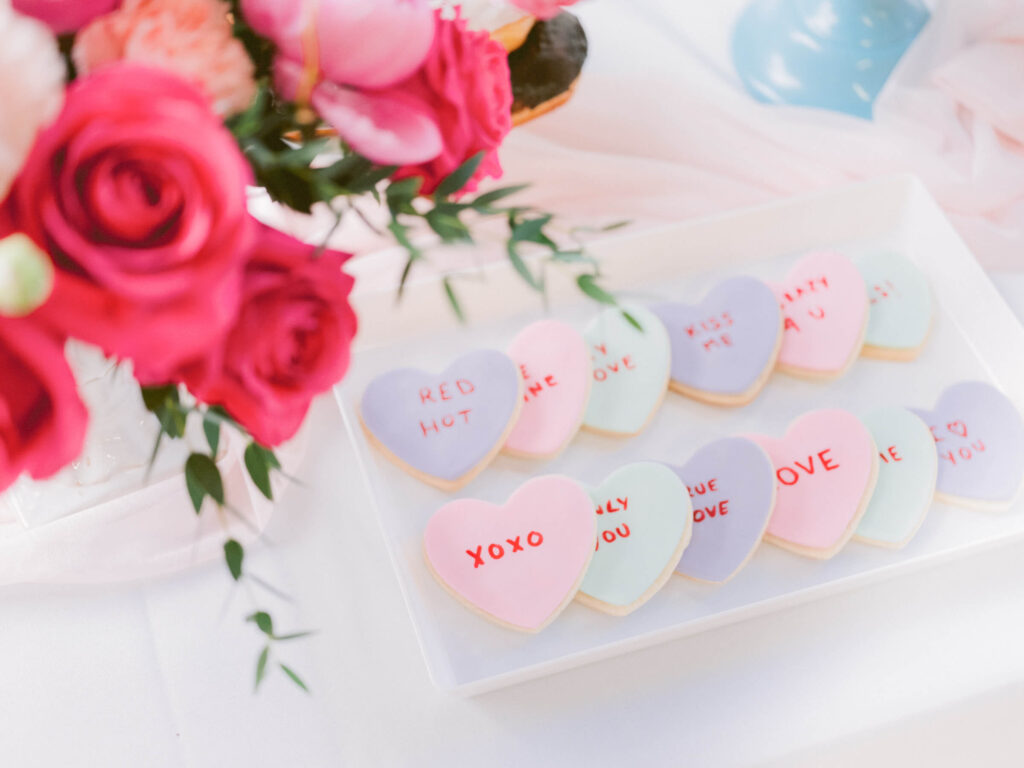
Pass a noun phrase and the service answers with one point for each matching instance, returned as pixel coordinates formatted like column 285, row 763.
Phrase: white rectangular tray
column 975, row 336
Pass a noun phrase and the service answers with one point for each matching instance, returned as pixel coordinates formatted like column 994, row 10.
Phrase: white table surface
column 926, row 669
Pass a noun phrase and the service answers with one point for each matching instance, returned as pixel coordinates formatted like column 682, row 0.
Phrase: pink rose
column 42, row 418
column 466, row 78
column 65, row 15
column 290, row 341
column 360, row 48
column 137, row 192
column 189, row 37
column 32, row 83
column 543, row 9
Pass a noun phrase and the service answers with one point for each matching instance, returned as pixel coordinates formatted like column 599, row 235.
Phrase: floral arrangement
column 130, row 133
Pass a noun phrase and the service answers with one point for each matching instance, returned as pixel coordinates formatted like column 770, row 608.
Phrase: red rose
column 42, row 419
column 466, row 79
column 137, row 192
column 290, row 342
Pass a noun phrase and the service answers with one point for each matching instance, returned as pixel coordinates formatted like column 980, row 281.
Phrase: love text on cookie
column 705, row 509
column 495, row 551
column 608, row 366
column 956, row 432
column 790, row 475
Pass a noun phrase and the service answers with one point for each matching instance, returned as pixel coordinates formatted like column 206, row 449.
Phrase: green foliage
column 234, row 554
column 259, row 461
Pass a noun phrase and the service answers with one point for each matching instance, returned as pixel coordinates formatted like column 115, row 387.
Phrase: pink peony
column 543, row 9
column 65, row 15
column 42, row 418
column 290, row 342
column 467, row 80
column 137, row 192
column 361, row 48
column 189, row 37
column 32, row 84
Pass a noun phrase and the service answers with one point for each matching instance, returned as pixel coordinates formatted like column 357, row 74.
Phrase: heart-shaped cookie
column 825, row 314
column 643, row 525
column 630, row 370
column 900, row 301
column 907, row 467
column 724, row 348
column 518, row 564
column 554, row 362
column 826, row 467
column 979, row 437
column 731, row 483
column 444, row 428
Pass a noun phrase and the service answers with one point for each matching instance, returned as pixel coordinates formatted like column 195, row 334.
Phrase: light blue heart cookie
column 901, row 306
column 907, row 470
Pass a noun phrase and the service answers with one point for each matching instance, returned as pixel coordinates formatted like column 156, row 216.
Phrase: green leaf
column 158, row 398
column 211, row 428
column 450, row 228
column 263, row 621
column 521, row 268
column 453, row 300
column 233, row 556
column 400, row 194
column 616, row 225
column 165, row 403
column 532, row 231
column 203, row 479
column 292, row 636
column 259, row 470
column 458, row 178
column 632, row 321
column 573, row 257
column 294, row 677
column 261, row 666
column 484, row 202
column 588, row 284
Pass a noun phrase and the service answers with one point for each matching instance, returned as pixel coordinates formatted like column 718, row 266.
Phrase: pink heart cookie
column 554, row 363
column 825, row 309
column 518, row 564
column 826, row 468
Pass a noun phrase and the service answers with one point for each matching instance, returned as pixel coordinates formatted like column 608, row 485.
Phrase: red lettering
column 792, row 472
column 727, row 318
column 957, row 428
column 709, row 344
column 448, row 421
column 978, row 445
column 465, row 386
column 698, row 515
column 478, row 560
column 818, row 313
column 893, row 453
column 712, row 484
column 937, row 438
column 516, row 546
column 691, row 331
column 608, row 536
column 628, row 362
column 613, row 367
column 948, row 456
column 600, row 374
column 601, row 348
column 550, row 381
column 624, row 502
column 622, row 534
column 531, row 542
column 710, row 511
column 465, row 415
column 535, row 389
column 826, row 461
column 496, row 551
column 522, row 370
column 791, row 324
column 809, row 469
column 425, row 428
column 723, row 507
column 443, row 391
column 425, row 395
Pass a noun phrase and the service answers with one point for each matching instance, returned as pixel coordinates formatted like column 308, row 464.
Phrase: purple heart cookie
column 444, row 427
column 724, row 348
column 979, row 436
column 732, row 486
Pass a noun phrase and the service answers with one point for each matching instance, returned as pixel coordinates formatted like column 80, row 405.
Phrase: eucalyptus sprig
column 203, row 481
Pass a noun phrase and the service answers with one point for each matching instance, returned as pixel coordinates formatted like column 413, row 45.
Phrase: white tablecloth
column 926, row 669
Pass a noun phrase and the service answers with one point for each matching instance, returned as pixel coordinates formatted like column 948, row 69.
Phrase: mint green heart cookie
column 644, row 520
column 907, row 472
column 630, row 370
column 900, row 306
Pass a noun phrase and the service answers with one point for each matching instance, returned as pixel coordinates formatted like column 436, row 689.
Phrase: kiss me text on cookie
column 789, row 475
column 497, row 551
column 443, row 393
column 620, row 365
column 797, row 292
column 964, row 452
column 535, row 386
column 710, row 330
column 701, row 513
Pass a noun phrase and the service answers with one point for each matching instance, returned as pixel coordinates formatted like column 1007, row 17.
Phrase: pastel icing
column 979, row 439
column 643, row 518
column 554, row 362
column 444, row 425
column 724, row 344
column 900, row 301
column 630, row 370
column 825, row 468
column 907, row 468
column 731, row 483
column 518, row 563
column 825, row 307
